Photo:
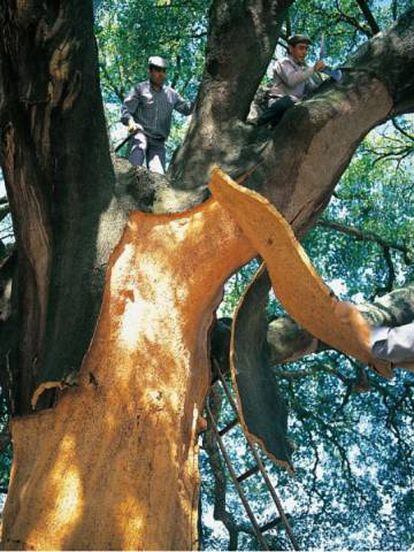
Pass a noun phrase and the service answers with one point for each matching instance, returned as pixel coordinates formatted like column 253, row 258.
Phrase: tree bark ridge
column 59, row 178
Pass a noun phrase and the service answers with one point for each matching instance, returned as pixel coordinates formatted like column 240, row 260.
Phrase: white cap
column 158, row 62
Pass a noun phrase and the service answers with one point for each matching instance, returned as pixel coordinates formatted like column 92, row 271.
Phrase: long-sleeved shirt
column 394, row 344
column 293, row 79
column 152, row 108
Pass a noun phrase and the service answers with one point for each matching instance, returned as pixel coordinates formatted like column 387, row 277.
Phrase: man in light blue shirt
column 147, row 112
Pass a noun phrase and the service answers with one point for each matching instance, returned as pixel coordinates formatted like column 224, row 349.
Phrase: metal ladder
column 258, row 468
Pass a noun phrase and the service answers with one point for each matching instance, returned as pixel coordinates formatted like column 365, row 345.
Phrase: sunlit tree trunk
column 109, row 457
column 114, row 464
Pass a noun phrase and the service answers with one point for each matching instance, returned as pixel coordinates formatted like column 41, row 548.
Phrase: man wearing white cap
column 147, row 112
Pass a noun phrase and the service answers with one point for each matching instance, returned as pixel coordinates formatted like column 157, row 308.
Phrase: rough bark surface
column 114, row 465
column 262, row 408
column 285, row 164
column 59, row 180
column 241, row 41
column 288, row 341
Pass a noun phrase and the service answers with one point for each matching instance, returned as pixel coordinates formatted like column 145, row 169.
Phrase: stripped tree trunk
column 113, row 462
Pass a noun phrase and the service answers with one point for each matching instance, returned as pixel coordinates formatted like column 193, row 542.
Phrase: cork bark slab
column 114, row 464
column 262, row 408
column 295, row 281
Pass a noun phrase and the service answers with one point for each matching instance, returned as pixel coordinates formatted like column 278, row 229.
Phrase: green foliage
column 130, row 31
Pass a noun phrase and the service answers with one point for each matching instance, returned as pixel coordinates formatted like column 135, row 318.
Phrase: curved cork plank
column 295, row 281
column 262, row 408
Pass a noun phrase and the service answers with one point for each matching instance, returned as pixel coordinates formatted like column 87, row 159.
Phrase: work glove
column 134, row 127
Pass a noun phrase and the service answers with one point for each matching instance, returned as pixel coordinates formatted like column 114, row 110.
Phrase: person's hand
column 319, row 65
column 133, row 127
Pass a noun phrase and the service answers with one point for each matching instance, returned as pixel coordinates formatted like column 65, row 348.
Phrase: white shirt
column 394, row 344
column 293, row 79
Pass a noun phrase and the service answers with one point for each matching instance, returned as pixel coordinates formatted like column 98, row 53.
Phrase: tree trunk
column 59, row 179
column 114, row 464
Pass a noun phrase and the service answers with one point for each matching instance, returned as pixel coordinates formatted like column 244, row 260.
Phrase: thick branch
column 325, row 130
column 289, row 342
column 241, row 40
column 285, row 165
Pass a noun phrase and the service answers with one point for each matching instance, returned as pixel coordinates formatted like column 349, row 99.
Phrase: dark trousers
column 274, row 113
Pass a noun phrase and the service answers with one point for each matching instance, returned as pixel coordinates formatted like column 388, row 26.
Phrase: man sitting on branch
column 293, row 80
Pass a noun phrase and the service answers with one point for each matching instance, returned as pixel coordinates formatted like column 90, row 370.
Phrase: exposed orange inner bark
column 295, row 281
column 114, row 465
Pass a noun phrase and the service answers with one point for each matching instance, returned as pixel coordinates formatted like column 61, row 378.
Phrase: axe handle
column 125, row 140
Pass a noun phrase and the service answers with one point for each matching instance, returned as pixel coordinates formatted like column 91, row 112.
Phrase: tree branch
column 242, row 37
column 120, row 94
column 342, row 16
column 402, row 130
column 289, row 342
column 369, row 17
column 232, row 74
column 285, row 165
column 391, row 273
column 394, row 9
column 4, row 211
column 363, row 236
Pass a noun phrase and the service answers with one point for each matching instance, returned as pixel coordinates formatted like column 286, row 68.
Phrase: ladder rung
column 283, row 520
column 269, row 525
column 247, row 474
column 228, row 427
column 233, row 475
